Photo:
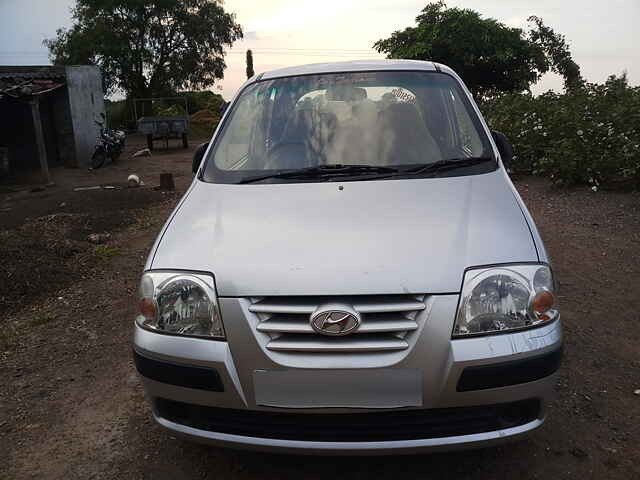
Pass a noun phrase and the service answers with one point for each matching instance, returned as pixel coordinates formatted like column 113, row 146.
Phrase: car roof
column 351, row 66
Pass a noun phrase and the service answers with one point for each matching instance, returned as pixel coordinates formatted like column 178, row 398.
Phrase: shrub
column 117, row 113
column 203, row 123
column 589, row 135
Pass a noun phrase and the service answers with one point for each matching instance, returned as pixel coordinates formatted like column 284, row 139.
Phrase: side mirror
column 504, row 147
column 197, row 157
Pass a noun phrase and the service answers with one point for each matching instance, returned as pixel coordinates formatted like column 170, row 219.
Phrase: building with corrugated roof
column 47, row 117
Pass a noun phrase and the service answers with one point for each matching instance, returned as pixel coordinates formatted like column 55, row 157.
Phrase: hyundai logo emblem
column 335, row 321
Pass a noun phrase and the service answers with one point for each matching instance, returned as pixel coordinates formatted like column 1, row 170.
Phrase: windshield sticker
column 346, row 78
column 404, row 96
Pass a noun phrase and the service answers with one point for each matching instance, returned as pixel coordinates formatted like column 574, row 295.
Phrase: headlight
column 180, row 304
column 499, row 299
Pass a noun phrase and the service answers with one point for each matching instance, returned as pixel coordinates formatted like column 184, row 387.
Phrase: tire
column 150, row 142
column 185, row 141
column 98, row 158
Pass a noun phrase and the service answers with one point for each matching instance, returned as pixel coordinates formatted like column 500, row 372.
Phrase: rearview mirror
column 504, row 147
column 346, row 93
column 197, row 157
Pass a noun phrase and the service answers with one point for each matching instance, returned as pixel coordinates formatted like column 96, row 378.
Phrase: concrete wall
column 86, row 102
column 64, row 127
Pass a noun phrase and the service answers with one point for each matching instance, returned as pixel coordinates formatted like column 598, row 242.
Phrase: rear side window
column 372, row 118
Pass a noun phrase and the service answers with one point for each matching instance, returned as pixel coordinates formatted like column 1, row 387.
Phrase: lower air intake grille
column 351, row 427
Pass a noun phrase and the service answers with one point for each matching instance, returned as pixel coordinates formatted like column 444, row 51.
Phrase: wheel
column 98, row 158
column 185, row 141
column 150, row 142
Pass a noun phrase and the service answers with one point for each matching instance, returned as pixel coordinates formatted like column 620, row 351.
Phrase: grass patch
column 106, row 251
column 42, row 318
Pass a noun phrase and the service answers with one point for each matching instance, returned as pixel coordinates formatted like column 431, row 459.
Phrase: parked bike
column 110, row 145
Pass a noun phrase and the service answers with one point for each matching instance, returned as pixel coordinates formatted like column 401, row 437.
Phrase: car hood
column 351, row 238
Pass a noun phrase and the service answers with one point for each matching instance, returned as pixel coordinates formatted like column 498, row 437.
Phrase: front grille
column 351, row 427
column 387, row 321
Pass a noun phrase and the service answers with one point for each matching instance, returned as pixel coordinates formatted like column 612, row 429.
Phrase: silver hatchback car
column 350, row 272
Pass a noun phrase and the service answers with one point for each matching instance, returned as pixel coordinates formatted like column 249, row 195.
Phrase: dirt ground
column 71, row 405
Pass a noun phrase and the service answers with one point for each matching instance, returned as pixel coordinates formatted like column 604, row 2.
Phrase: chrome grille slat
column 387, row 320
column 276, row 308
column 336, row 344
column 301, row 307
column 380, row 326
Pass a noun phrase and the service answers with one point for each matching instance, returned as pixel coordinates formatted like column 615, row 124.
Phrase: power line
column 309, row 52
column 336, row 53
column 264, row 50
column 24, row 54
column 311, row 49
column 304, row 51
column 308, row 55
column 322, row 55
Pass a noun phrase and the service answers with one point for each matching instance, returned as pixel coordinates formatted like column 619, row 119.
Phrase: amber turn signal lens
column 147, row 308
column 542, row 303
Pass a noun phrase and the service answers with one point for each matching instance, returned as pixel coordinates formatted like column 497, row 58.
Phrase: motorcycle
column 110, row 145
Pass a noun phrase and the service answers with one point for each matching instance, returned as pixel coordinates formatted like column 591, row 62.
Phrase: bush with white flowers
column 590, row 135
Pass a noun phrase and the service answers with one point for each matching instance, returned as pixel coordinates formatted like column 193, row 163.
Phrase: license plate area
column 375, row 388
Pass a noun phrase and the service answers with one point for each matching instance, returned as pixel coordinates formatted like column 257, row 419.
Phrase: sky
column 602, row 34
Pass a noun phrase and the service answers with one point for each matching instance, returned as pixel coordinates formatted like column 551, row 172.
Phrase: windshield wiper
column 447, row 164
column 373, row 172
column 325, row 172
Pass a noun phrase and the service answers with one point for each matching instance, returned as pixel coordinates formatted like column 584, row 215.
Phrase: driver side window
column 234, row 145
column 467, row 133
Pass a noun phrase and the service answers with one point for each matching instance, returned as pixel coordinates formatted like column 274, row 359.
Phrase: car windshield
column 382, row 119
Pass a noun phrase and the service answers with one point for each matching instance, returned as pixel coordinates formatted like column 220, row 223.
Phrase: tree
column 490, row 56
column 557, row 52
column 148, row 47
column 250, row 72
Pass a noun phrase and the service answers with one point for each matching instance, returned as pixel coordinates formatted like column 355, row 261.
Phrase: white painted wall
column 86, row 101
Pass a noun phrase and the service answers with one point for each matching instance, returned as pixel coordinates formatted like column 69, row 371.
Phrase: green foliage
column 206, row 117
column 487, row 54
column 589, row 135
column 148, row 48
column 204, row 100
column 118, row 113
column 170, row 111
column 250, row 72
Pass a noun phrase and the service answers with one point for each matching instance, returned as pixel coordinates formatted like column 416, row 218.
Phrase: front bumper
column 527, row 359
